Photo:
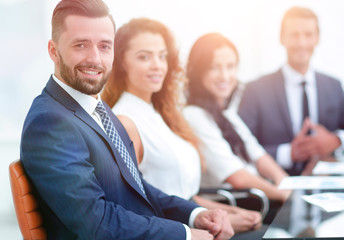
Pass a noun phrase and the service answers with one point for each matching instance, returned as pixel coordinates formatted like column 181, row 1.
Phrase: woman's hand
column 245, row 220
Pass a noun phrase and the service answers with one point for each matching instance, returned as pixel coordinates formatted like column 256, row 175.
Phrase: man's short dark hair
column 87, row 8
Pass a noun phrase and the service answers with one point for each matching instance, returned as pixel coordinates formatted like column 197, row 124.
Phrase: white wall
column 253, row 25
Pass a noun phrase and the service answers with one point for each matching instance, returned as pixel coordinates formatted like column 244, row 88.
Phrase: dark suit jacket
column 84, row 187
column 264, row 108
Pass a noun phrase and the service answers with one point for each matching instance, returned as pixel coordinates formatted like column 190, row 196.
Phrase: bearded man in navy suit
column 84, row 187
column 272, row 106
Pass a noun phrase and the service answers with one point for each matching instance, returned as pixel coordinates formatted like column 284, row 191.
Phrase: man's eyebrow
column 107, row 41
column 80, row 40
column 85, row 40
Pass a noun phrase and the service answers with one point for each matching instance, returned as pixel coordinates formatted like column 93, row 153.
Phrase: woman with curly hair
column 144, row 91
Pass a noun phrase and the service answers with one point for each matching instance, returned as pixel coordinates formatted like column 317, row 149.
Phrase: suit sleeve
column 341, row 97
column 56, row 158
column 173, row 207
column 340, row 129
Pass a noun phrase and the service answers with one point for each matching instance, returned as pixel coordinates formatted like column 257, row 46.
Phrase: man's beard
column 84, row 85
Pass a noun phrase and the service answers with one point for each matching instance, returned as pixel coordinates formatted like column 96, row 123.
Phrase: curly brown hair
column 166, row 101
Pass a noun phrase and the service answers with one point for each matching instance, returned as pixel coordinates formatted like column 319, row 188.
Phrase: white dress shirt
column 294, row 94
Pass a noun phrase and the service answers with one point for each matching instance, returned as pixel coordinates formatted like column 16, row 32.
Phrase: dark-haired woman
column 232, row 154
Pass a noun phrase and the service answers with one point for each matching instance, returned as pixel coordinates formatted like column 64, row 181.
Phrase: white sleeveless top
column 169, row 162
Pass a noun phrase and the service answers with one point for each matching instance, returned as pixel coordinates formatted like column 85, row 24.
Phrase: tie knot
column 100, row 109
column 303, row 83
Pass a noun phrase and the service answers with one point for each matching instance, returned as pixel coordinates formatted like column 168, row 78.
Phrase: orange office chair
column 25, row 204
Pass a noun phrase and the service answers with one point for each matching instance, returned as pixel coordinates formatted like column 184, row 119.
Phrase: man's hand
column 300, row 151
column 216, row 222
column 320, row 143
column 324, row 141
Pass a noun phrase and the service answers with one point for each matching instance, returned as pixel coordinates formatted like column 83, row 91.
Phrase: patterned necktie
column 117, row 141
column 305, row 106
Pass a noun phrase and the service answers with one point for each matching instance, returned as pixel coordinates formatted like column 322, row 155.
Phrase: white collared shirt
column 294, row 92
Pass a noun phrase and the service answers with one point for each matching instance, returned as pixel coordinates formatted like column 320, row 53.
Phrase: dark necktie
column 299, row 166
column 305, row 114
column 305, row 108
column 117, row 141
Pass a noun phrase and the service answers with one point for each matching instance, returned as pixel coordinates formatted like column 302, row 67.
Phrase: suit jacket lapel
column 85, row 117
column 282, row 103
column 64, row 98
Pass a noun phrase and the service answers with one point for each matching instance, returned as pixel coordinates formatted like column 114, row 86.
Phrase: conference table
column 297, row 219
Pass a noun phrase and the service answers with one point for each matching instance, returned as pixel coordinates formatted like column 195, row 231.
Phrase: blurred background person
column 232, row 154
column 283, row 108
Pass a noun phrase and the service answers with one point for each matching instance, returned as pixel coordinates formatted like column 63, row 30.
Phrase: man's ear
column 52, row 49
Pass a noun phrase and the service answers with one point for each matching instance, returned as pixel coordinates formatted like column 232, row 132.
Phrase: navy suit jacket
column 264, row 108
column 84, row 187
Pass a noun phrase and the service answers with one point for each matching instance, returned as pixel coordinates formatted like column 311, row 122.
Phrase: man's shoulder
column 44, row 103
column 267, row 78
column 46, row 110
column 264, row 83
column 325, row 77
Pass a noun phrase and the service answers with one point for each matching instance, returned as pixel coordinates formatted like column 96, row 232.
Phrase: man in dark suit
column 278, row 111
column 80, row 158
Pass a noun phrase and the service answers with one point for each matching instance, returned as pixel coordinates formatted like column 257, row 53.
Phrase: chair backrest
column 25, row 204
